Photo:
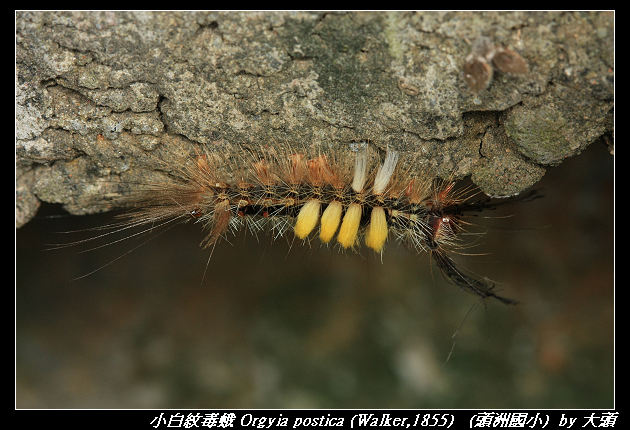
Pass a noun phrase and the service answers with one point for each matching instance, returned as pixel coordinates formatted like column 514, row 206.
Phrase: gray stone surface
column 103, row 98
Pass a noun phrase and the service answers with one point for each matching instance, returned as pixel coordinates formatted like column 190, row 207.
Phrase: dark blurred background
column 269, row 328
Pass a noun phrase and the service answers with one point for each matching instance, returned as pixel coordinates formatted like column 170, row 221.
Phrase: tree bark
column 105, row 99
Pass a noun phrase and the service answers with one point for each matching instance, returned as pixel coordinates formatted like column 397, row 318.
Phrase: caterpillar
column 343, row 198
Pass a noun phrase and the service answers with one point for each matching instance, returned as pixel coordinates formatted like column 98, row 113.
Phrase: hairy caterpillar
column 254, row 290
column 342, row 198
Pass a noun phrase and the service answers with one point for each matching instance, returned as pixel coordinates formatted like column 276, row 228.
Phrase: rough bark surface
column 104, row 99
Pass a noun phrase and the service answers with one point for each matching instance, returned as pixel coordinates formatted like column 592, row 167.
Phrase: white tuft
column 360, row 170
column 385, row 172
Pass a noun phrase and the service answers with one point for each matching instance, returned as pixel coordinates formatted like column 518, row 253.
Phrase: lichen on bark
column 103, row 98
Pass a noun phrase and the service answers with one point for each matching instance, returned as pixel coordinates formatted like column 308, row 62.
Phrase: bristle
column 417, row 190
column 349, row 230
column 307, row 219
column 263, row 172
column 220, row 223
column 385, row 172
column 377, row 231
column 297, row 171
column 360, row 170
column 316, row 171
column 331, row 218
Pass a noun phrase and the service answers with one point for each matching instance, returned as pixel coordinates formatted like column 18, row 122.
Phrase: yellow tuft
column 330, row 221
column 376, row 234
column 307, row 218
column 347, row 236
